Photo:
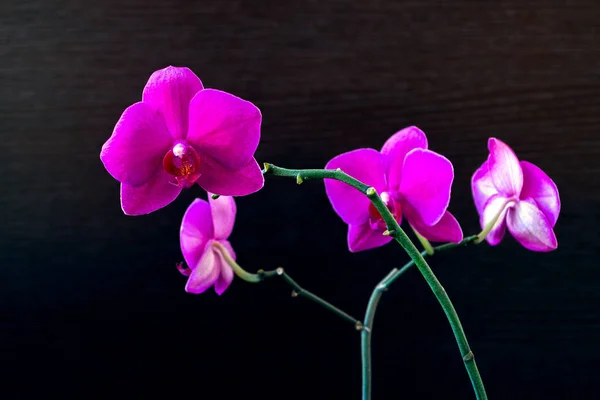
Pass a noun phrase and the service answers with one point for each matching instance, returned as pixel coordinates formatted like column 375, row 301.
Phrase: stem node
column 469, row 356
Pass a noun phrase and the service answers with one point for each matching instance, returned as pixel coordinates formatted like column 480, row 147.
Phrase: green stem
column 424, row 242
column 365, row 335
column 436, row 249
column 401, row 237
column 372, row 307
column 300, row 291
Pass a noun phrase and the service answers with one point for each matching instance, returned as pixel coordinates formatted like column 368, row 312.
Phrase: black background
column 91, row 303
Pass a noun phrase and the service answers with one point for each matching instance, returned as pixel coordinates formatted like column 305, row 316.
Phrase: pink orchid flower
column 412, row 181
column 181, row 133
column 517, row 195
column 203, row 238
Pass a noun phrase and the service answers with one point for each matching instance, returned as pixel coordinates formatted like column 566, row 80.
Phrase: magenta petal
column 363, row 237
column 244, row 181
column 528, row 224
column 226, row 275
column 137, row 146
column 447, row 229
column 196, row 231
column 504, row 168
column 223, row 215
column 426, row 183
column 224, row 127
column 496, row 204
column 149, row 197
column 170, row 91
column 366, row 165
column 539, row 186
column 396, row 148
column 482, row 187
column 206, row 273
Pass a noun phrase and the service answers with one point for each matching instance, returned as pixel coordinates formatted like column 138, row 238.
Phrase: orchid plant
column 181, row 134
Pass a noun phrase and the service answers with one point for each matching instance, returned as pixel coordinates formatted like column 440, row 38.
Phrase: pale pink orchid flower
column 517, row 195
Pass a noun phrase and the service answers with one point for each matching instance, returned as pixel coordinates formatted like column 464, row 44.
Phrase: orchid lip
column 183, row 163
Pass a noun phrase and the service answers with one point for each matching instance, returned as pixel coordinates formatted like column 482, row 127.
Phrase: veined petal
column 504, row 168
column 447, row 229
column 366, row 165
column 363, row 237
column 528, row 224
column 223, row 215
column 134, row 152
column 170, row 91
column 226, row 276
column 224, row 127
column 241, row 182
column 495, row 208
column 396, row 148
column 155, row 194
column 196, row 231
column 426, row 183
column 206, row 272
column 482, row 187
column 539, row 186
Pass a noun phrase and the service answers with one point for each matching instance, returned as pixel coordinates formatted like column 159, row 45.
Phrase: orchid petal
column 504, row 168
column 223, row 211
column 226, row 276
column 170, row 90
column 528, row 224
column 482, row 187
column 196, row 231
column 155, row 194
column 539, row 186
column 224, row 127
column 495, row 207
column 366, row 165
column 134, row 152
column 241, row 182
column 447, row 229
column 363, row 237
column 395, row 150
column 206, row 273
column 426, row 183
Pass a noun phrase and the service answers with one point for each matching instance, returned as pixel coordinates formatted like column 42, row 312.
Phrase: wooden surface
column 90, row 301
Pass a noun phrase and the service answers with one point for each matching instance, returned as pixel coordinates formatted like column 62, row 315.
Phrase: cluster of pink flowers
column 181, row 134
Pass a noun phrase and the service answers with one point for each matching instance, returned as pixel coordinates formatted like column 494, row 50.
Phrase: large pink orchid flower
column 181, row 133
column 413, row 182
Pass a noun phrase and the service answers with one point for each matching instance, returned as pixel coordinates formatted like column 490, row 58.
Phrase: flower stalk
column 400, row 236
column 298, row 290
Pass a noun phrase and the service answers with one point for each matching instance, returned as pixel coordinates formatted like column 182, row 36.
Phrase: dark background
column 91, row 304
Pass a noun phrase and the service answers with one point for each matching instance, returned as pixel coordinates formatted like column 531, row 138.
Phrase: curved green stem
column 239, row 271
column 298, row 290
column 365, row 335
column 398, row 234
